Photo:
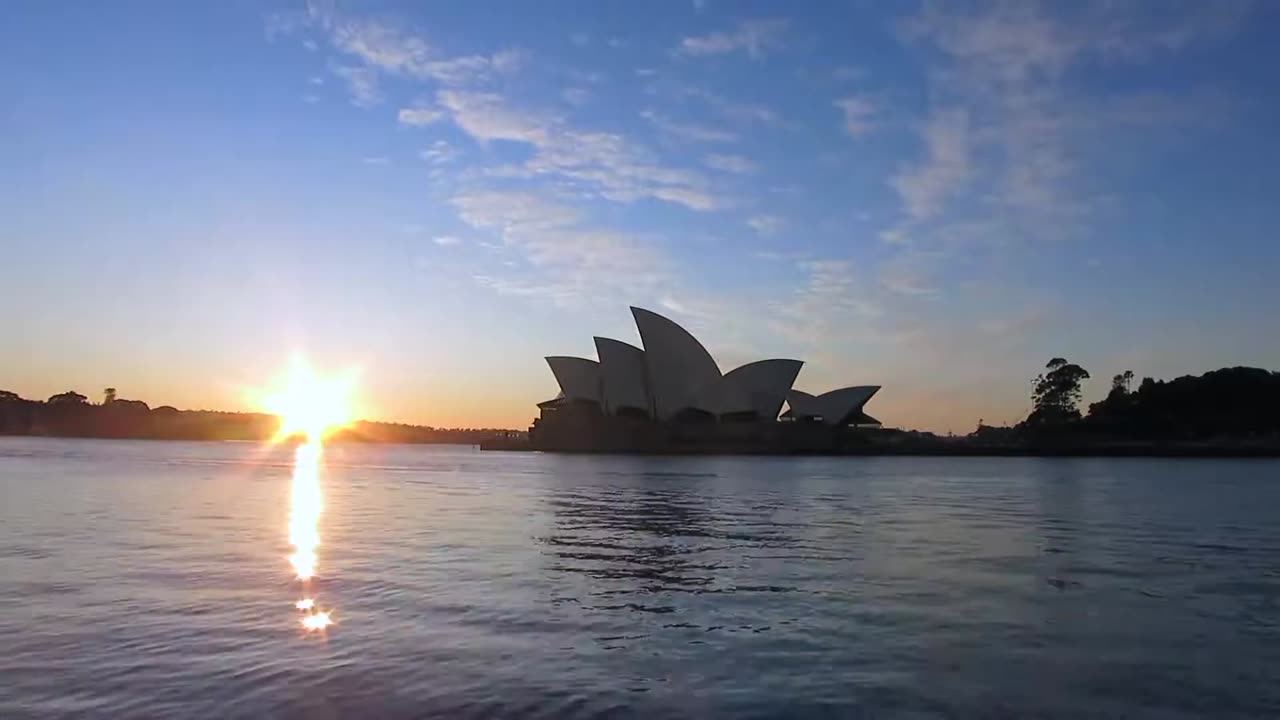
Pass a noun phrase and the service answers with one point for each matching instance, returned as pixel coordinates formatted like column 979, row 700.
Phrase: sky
column 933, row 197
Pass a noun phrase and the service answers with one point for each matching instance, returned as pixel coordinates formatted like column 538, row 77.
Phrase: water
column 146, row 579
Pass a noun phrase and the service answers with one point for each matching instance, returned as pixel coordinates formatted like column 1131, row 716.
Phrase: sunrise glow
column 309, row 404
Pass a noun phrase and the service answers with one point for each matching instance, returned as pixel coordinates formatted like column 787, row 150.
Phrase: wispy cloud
column 672, row 304
column 736, row 164
column 486, row 117
column 468, row 69
column 857, row 113
column 361, row 82
column 831, row 302
column 1007, row 65
column 419, row 116
column 508, row 61
column 460, row 70
column 754, row 37
column 912, row 273
column 605, row 163
column 440, row 153
column 557, row 293
column 1019, row 42
column 765, row 224
column 376, row 43
column 575, row 95
column 446, row 240
column 925, row 187
column 688, row 131
column 779, row 256
column 735, row 110
column 1003, row 137
column 575, row 258
column 391, row 49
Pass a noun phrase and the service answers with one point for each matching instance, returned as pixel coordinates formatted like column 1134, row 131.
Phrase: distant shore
column 1228, row 412
column 956, row 447
column 1153, row 451
column 70, row 415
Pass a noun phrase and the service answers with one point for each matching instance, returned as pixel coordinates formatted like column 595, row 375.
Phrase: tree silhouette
column 1055, row 394
column 1231, row 402
column 70, row 397
column 108, row 396
column 8, row 396
column 1120, row 383
column 1117, row 402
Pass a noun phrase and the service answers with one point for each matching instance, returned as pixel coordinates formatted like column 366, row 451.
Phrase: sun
column 309, row 404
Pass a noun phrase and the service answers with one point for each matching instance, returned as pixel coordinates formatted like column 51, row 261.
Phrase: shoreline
column 1153, row 450
column 150, row 438
column 958, row 449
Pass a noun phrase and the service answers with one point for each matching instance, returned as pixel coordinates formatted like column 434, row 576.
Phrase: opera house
column 670, row 396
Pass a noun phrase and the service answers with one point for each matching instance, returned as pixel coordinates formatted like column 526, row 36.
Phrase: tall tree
column 108, row 396
column 1119, row 394
column 1120, row 383
column 1055, row 393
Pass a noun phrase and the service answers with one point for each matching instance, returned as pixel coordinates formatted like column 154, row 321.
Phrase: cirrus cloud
column 751, row 36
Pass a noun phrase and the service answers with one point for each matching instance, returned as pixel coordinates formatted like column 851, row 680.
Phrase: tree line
column 71, row 414
column 1230, row 403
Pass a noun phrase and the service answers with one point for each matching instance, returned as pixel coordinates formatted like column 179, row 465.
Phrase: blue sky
column 933, row 197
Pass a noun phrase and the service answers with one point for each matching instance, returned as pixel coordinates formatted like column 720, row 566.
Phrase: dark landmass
column 1232, row 412
column 70, row 414
column 1231, row 408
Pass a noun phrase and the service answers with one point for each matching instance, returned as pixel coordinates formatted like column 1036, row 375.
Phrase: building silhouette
column 671, row 395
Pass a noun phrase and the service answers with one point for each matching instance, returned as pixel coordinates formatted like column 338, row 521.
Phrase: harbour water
column 152, row 579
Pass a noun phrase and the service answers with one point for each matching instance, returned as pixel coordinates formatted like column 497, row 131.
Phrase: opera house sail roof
column 674, row 377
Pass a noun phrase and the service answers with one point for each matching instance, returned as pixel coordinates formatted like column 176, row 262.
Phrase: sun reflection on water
column 305, row 508
column 318, row 620
column 306, row 503
column 309, row 406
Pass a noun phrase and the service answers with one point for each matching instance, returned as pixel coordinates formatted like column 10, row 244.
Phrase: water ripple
column 150, row 580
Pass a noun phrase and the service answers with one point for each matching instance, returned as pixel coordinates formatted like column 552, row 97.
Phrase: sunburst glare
column 310, row 406
column 317, row 620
